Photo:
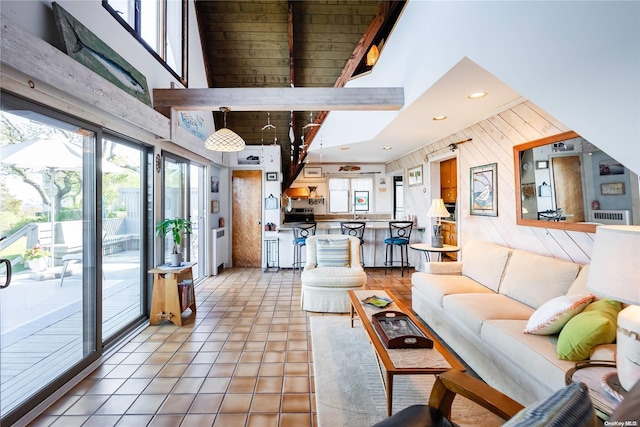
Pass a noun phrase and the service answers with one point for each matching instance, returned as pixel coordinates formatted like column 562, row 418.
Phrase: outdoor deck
column 41, row 323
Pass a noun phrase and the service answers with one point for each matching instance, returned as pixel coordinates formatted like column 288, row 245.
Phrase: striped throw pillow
column 332, row 252
column 569, row 406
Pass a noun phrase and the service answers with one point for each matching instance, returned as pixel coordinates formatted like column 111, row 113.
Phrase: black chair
column 355, row 229
column 301, row 230
column 399, row 235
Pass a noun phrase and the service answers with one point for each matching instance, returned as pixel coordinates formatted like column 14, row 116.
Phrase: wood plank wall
column 493, row 141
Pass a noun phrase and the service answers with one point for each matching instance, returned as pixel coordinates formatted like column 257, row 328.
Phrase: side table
column 592, row 374
column 172, row 294
column 427, row 249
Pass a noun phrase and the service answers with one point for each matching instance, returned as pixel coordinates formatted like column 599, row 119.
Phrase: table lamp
column 615, row 273
column 437, row 211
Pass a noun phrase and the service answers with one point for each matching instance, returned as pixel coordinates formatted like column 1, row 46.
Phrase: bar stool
column 399, row 235
column 301, row 230
column 356, row 229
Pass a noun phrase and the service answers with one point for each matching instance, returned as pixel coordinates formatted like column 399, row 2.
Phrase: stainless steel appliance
column 299, row 215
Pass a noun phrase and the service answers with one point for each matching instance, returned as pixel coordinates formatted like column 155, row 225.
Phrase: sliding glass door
column 49, row 312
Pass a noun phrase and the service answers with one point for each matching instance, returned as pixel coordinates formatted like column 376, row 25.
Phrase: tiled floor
column 245, row 361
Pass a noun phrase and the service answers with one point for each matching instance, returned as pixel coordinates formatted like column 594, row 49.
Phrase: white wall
column 577, row 60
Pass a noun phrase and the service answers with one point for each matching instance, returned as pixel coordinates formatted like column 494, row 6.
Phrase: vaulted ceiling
column 280, row 43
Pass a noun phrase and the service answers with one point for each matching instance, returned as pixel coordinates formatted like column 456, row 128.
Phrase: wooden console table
column 172, row 293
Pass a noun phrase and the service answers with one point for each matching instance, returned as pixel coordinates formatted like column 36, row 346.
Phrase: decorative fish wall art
column 86, row 48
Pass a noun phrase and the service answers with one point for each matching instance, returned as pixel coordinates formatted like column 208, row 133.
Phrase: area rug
column 349, row 389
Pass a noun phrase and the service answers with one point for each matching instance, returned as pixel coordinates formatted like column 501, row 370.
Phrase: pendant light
column 224, row 139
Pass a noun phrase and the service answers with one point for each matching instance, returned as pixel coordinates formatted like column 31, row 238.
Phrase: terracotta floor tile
column 295, row 420
column 269, row 385
column 86, row 405
column 176, row 404
column 247, row 370
column 266, row 402
column 117, row 404
column 296, row 402
column 147, row 404
column 291, row 369
column 188, row 385
column 272, row 369
column 229, row 420
column 296, row 385
column 198, row 420
column 242, row 385
column 205, row 403
column 263, row 420
column 221, row 370
column 236, row 403
column 215, row 385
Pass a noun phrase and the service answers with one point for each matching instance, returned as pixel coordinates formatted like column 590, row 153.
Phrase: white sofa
column 480, row 308
column 325, row 287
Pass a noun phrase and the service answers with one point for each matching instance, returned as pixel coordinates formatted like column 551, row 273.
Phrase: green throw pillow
column 332, row 252
column 595, row 325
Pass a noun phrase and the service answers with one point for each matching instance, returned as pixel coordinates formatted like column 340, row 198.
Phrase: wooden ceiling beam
column 281, row 99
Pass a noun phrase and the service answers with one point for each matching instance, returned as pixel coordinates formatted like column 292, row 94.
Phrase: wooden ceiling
column 280, row 43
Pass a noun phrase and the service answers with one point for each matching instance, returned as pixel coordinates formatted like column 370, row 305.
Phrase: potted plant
column 36, row 258
column 176, row 227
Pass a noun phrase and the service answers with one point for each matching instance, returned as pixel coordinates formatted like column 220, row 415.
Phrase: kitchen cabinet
column 450, row 237
column 449, row 180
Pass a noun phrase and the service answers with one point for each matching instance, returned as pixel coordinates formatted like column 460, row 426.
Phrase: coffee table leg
column 389, row 393
column 352, row 314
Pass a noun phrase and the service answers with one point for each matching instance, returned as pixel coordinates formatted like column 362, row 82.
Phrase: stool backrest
column 353, row 228
column 400, row 229
column 304, row 229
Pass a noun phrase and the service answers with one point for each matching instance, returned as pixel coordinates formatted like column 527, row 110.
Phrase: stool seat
column 399, row 236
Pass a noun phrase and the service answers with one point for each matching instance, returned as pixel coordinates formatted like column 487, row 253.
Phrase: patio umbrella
column 48, row 154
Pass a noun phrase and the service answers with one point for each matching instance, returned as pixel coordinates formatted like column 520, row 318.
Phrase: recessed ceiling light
column 386, row 148
column 440, row 118
column 477, row 95
column 344, row 148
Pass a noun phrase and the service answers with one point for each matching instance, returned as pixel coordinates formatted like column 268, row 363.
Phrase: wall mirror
column 565, row 182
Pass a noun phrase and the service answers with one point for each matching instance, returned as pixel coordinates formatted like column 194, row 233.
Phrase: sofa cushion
column 333, row 277
column 471, row 310
column 551, row 316
column 535, row 355
column 569, row 406
column 579, row 286
column 435, row 286
column 332, row 252
column 535, row 279
column 485, row 262
column 595, row 325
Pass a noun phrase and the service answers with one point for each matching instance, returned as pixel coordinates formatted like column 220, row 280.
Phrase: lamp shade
column 438, row 210
column 226, row 140
column 615, row 267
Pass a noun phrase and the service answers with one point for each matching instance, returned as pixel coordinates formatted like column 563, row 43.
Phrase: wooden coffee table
column 393, row 362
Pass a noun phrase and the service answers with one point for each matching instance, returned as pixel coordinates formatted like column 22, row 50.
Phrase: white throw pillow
column 555, row 313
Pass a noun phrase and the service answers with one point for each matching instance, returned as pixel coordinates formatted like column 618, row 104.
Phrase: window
column 160, row 25
column 341, row 191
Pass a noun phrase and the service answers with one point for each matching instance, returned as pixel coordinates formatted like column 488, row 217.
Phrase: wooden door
column 568, row 187
column 247, row 217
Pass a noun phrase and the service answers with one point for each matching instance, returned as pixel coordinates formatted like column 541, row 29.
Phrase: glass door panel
column 47, row 221
column 197, row 217
column 175, row 200
column 122, row 208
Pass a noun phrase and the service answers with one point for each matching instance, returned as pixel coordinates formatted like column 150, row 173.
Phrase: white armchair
column 332, row 268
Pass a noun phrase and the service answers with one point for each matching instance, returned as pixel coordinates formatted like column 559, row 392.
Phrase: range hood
column 298, row 192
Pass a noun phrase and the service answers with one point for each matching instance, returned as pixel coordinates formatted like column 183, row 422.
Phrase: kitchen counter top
column 331, row 225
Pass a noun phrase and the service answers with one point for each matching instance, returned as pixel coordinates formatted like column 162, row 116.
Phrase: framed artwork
column 215, row 206
column 612, row 189
column 89, row 50
column 271, row 202
column 484, row 194
column 312, row 172
column 542, row 164
column 415, row 176
column 361, row 200
column 215, row 184
column 272, row 176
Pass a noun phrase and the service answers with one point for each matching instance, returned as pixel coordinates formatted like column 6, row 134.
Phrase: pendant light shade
column 225, row 139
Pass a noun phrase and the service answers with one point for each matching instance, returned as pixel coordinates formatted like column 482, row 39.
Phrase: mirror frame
column 517, row 149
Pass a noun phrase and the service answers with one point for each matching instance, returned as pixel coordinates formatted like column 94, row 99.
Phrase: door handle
column 8, row 280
